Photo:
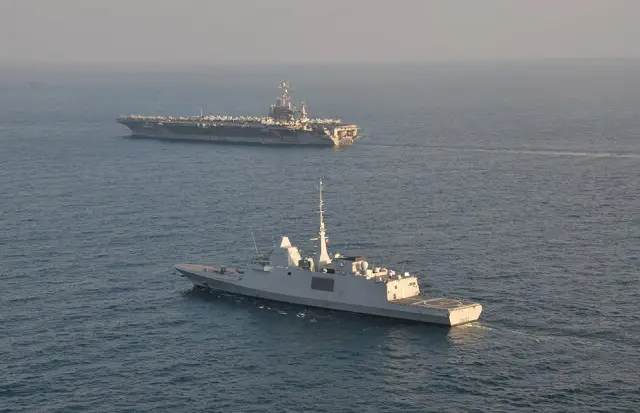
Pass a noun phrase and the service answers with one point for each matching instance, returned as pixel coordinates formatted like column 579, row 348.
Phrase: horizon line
column 195, row 64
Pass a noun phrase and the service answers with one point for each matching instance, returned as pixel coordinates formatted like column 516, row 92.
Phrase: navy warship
column 333, row 281
column 285, row 125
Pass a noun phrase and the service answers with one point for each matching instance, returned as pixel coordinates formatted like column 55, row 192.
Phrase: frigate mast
column 323, row 258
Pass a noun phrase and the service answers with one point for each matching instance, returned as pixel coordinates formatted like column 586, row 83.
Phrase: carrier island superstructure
column 333, row 281
column 285, row 125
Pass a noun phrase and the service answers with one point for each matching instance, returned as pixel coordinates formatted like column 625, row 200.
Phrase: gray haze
column 269, row 31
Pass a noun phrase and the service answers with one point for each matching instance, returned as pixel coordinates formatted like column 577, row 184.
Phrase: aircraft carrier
column 285, row 125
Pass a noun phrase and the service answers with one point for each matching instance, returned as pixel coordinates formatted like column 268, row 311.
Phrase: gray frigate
column 333, row 281
column 285, row 125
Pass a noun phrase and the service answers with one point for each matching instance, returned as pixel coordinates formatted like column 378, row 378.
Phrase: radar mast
column 323, row 258
column 283, row 110
column 285, row 100
column 303, row 112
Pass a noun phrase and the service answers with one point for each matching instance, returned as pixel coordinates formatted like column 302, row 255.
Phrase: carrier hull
column 234, row 135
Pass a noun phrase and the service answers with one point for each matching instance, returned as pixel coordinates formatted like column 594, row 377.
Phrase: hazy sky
column 236, row 31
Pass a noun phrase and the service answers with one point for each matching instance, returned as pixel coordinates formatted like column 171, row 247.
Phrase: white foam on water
column 545, row 152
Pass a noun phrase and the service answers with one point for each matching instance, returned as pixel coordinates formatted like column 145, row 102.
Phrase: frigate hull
column 296, row 287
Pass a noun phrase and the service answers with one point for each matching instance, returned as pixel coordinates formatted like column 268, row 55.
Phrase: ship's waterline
column 285, row 125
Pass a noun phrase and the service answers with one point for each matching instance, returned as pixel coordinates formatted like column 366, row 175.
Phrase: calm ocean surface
column 513, row 185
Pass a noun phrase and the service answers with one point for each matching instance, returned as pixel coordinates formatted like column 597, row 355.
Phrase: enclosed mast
column 323, row 257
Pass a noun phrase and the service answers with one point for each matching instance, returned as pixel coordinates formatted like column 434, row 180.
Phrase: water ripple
column 521, row 200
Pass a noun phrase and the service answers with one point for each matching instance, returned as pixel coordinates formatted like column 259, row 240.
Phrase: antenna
column 324, row 256
column 303, row 111
column 284, row 94
column 321, row 205
column 254, row 242
column 404, row 261
column 381, row 261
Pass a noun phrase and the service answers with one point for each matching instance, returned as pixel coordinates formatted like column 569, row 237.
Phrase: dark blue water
column 513, row 185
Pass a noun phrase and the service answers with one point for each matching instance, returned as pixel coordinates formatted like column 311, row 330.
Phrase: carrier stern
column 344, row 135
